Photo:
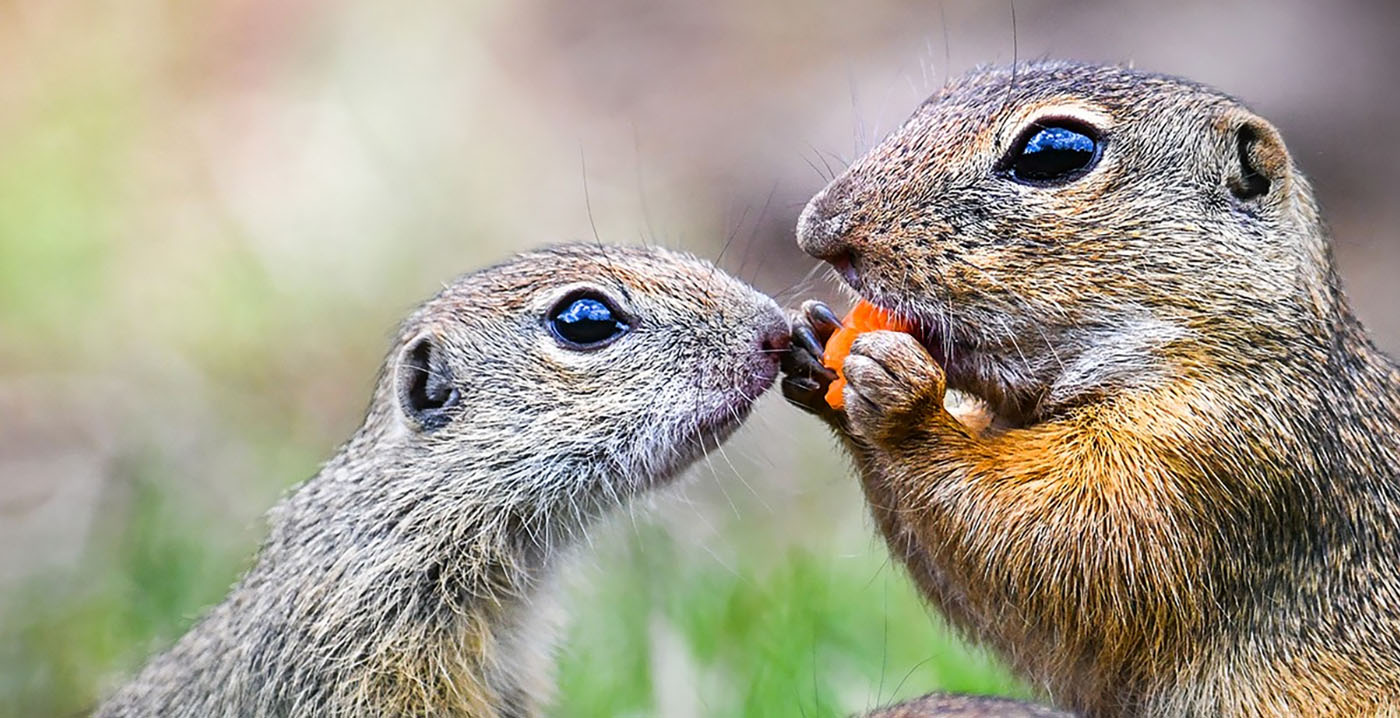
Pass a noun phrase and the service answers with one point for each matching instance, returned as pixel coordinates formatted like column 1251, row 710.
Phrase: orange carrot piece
column 864, row 317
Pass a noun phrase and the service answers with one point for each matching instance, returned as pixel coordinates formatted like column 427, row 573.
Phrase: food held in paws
column 864, row 317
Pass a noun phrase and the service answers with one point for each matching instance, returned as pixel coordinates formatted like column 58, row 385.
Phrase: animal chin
column 693, row 438
column 713, row 428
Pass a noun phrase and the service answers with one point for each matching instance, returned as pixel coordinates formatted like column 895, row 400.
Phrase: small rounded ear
column 1258, row 161
column 428, row 394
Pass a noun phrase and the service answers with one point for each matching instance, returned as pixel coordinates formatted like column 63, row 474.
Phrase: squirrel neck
column 381, row 591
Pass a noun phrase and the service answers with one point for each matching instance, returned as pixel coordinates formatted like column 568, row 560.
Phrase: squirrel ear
column 1258, row 160
column 427, row 392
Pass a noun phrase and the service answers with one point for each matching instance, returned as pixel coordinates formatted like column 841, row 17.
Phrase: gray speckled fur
column 410, row 576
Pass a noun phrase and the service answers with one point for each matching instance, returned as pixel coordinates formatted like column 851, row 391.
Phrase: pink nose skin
column 774, row 342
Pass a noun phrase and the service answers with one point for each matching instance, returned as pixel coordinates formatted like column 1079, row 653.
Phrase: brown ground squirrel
column 1188, row 503
column 410, row 577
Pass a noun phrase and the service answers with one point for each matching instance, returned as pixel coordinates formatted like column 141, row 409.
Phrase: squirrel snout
column 772, row 332
column 823, row 234
column 822, row 227
column 774, row 339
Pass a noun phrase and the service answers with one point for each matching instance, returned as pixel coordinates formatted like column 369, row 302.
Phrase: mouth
column 973, row 366
column 939, row 340
column 720, row 422
column 714, row 428
column 934, row 329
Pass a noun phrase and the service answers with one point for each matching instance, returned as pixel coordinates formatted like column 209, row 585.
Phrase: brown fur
column 1190, row 501
column 412, row 575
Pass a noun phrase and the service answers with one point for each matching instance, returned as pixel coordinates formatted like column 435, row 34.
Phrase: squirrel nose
column 774, row 342
column 774, row 334
column 822, row 227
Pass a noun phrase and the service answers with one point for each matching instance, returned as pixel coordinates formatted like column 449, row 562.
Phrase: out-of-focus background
column 212, row 215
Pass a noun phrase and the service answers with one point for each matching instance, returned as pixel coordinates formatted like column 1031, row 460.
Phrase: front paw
column 893, row 387
column 805, row 378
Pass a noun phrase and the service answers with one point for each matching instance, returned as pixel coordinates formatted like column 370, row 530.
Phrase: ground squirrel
column 410, row 576
column 1188, row 501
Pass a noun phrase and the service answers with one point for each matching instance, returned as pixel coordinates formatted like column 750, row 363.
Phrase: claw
column 803, row 392
column 801, row 385
column 806, row 378
column 803, row 363
column 806, row 339
column 823, row 315
column 809, row 395
column 823, row 320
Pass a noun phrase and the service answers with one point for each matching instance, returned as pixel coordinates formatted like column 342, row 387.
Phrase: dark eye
column 1054, row 154
column 586, row 322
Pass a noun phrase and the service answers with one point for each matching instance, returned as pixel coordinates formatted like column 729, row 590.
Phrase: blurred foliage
column 653, row 629
column 807, row 636
column 67, row 638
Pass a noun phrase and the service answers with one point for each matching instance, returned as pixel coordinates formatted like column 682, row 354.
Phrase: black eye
column 586, row 322
column 1054, row 154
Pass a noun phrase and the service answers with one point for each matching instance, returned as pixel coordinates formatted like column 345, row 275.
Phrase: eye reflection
column 1054, row 154
column 586, row 322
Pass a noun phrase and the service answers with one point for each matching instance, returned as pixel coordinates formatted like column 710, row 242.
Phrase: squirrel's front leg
column 894, row 399
column 893, row 387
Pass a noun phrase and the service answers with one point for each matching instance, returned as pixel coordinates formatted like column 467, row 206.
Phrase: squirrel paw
column 893, row 386
column 805, row 379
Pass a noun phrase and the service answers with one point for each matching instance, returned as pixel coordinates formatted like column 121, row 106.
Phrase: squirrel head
column 514, row 409
column 1055, row 226
column 573, row 377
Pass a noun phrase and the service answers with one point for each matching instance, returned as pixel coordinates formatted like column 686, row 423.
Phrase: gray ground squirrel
column 411, row 576
column 1187, row 501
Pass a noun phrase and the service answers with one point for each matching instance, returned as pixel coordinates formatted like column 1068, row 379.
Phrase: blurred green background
column 212, row 214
